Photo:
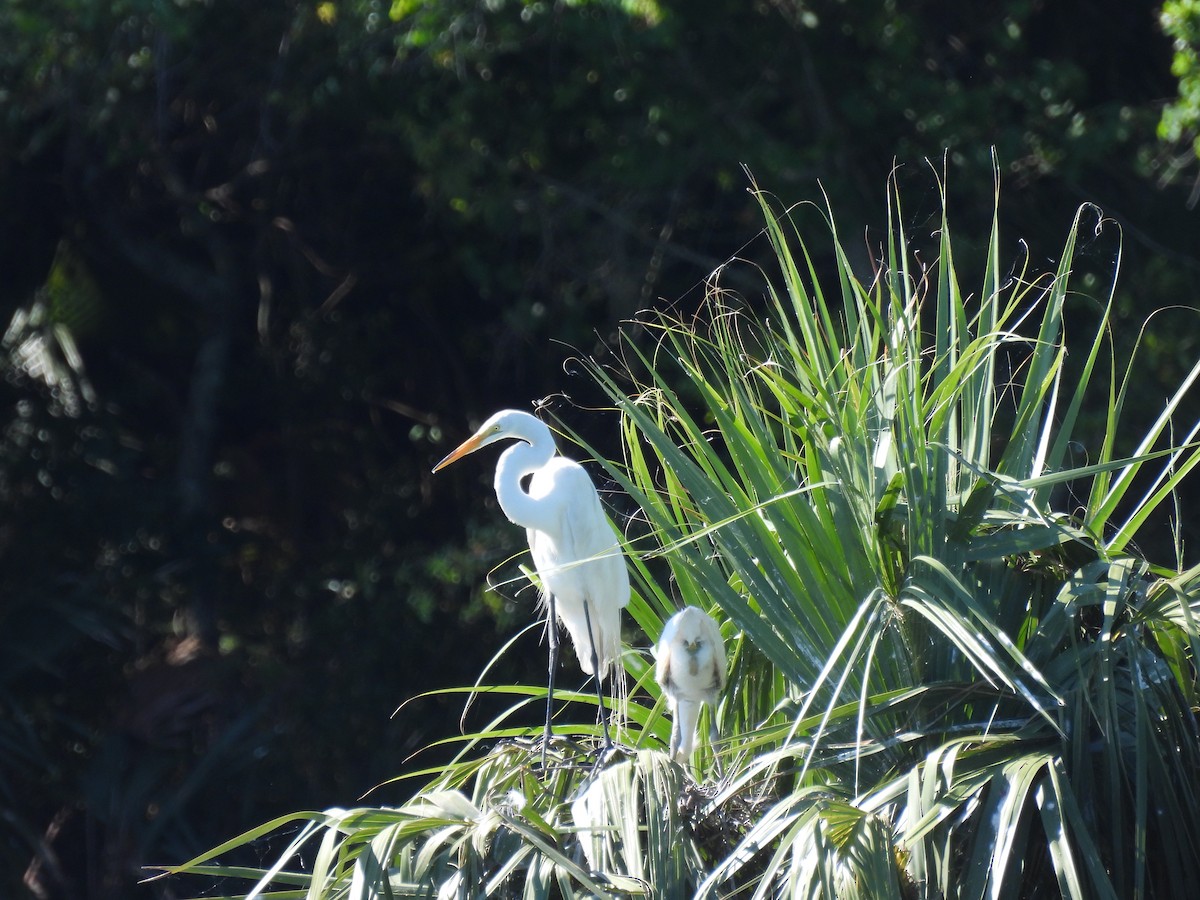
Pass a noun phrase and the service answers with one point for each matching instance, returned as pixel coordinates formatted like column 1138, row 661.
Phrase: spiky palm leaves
column 944, row 683
column 991, row 699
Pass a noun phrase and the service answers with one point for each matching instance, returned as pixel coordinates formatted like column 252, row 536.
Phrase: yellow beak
column 470, row 445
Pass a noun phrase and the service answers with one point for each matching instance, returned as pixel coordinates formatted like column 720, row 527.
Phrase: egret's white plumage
column 690, row 667
column 579, row 560
column 575, row 551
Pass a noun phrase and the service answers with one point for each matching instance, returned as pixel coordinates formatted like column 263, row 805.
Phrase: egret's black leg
column 552, row 635
column 598, row 675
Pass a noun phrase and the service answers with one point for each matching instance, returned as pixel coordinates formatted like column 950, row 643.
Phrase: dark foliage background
column 262, row 264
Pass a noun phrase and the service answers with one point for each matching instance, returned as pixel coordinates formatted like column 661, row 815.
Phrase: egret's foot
column 556, row 753
column 606, row 754
column 551, row 753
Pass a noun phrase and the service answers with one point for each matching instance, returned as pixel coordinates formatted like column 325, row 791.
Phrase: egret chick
column 690, row 668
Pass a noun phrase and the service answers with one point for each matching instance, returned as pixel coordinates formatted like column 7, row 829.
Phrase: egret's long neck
column 515, row 463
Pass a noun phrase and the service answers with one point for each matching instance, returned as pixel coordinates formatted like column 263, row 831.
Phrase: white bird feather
column 690, row 667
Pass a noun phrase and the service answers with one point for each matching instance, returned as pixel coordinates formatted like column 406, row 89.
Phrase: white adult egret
column 691, row 669
column 575, row 551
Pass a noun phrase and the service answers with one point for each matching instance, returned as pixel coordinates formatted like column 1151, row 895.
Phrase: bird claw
column 559, row 752
column 606, row 754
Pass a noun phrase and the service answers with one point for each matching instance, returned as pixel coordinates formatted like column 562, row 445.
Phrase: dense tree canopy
column 262, row 261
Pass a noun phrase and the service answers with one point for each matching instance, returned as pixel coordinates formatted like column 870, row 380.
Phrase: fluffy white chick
column 690, row 668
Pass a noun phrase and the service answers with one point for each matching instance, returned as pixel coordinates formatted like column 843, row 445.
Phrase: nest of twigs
column 717, row 821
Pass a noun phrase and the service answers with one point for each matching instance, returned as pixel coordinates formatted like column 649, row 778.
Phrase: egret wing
column 712, row 637
column 662, row 652
column 580, row 561
column 586, row 549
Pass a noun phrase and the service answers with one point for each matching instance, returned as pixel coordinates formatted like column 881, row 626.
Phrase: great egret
column 575, row 551
column 690, row 667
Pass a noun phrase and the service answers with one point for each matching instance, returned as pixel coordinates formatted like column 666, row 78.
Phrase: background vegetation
column 263, row 262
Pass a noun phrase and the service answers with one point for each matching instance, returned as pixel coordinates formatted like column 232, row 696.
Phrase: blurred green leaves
column 1181, row 117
